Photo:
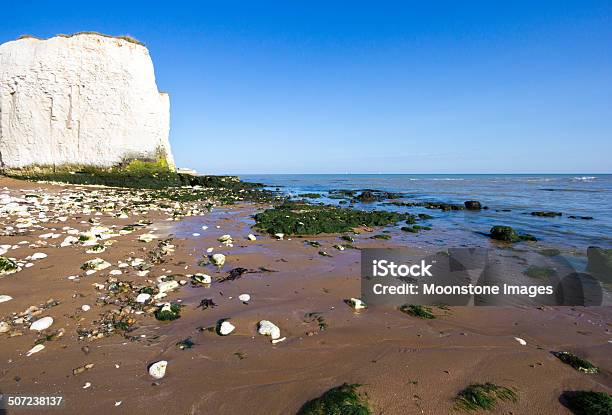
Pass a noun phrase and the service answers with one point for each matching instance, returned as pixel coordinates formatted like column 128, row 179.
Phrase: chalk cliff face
column 83, row 100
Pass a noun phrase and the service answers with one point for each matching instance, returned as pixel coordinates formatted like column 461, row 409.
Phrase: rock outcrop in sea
column 81, row 100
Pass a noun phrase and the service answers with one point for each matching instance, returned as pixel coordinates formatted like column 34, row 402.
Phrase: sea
column 510, row 199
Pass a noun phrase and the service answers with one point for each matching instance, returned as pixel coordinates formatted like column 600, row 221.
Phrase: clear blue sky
column 390, row 87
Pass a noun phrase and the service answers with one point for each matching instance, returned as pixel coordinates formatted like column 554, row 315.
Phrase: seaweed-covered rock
column 168, row 312
column 508, row 234
column 472, row 205
column 504, row 233
column 546, row 214
column 341, row 400
column 600, row 262
column 588, row 402
column 576, row 362
column 294, row 218
column 7, row 266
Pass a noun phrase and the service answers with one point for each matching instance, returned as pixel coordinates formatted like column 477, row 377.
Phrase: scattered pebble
column 35, row 349
column 357, row 304
column 267, row 328
column 218, row 259
column 226, row 328
column 42, row 324
column 5, row 298
column 158, row 369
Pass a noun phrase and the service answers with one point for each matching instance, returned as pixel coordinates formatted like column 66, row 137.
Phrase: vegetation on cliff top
column 127, row 38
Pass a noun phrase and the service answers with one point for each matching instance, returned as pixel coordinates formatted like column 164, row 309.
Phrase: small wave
column 584, row 179
column 448, row 179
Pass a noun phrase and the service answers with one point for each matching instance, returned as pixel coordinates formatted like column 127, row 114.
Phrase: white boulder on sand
column 42, row 324
column 158, row 369
column 85, row 99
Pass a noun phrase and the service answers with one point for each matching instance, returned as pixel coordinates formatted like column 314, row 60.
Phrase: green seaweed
column 546, row 214
column 295, row 218
column 168, row 315
column 483, row 396
column 535, row 271
column 576, row 362
column 185, row 344
column 417, row 311
column 549, row 252
column 341, row 400
column 588, row 402
column 504, row 233
column 7, row 265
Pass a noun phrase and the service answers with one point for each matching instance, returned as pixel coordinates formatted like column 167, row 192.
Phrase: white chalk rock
column 521, row 341
column 70, row 240
column 245, row 298
column 96, row 264
column 226, row 328
column 218, row 259
column 142, row 298
column 5, row 298
column 158, row 369
column 267, row 328
column 35, row 349
column 224, row 238
column 4, row 327
column 279, row 236
column 251, row 237
column 147, row 237
column 42, row 324
column 357, row 304
column 99, row 107
column 202, row 278
column 85, row 307
column 38, row 255
column 166, row 286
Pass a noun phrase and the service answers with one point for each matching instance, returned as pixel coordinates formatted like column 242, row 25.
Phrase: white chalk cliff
column 85, row 99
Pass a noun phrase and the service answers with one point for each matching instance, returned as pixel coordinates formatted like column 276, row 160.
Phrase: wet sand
column 406, row 365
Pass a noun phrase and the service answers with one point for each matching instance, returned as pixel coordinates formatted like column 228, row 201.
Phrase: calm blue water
column 579, row 195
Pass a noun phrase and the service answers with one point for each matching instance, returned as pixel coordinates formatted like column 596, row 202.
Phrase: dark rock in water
column 508, row 234
column 581, row 217
column 445, row 207
column 472, row 205
column 425, row 216
column 504, row 233
column 600, row 263
column 527, row 237
column 367, row 196
column 546, row 214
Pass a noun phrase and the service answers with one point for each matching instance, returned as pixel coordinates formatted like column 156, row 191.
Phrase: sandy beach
column 405, row 365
